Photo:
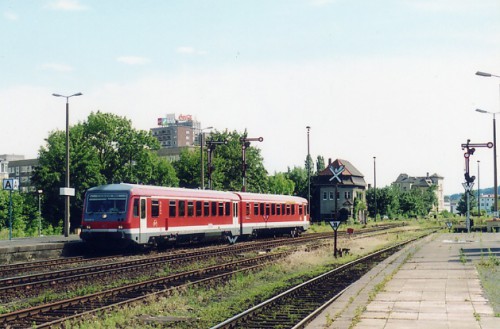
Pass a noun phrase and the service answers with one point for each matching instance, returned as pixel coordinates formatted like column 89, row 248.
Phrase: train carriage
column 140, row 214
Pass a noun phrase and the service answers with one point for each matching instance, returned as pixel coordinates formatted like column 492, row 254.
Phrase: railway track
column 52, row 313
column 297, row 306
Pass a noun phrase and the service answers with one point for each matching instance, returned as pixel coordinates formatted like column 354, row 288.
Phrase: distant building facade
column 335, row 189
column 17, row 167
column 486, row 202
column 407, row 183
column 175, row 134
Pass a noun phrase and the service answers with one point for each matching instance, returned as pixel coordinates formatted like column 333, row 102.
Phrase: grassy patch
column 489, row 272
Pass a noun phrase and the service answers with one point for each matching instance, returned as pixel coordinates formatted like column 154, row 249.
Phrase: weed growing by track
column 489, row 272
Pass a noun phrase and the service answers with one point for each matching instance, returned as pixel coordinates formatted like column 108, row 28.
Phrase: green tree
column 24, row 213
column 104, row 149
column 298, row 176
column 227, row 165
column 320, row 163
column 462, row 204
column 279, row 183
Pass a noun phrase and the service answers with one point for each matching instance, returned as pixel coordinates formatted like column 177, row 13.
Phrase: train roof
column 190, row 193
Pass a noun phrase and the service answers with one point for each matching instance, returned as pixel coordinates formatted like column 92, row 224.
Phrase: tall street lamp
column 478, row 192
column 40, row 192
column 495, row 203
column 201, row 153
column 67, row 191
column 489, row 75
column 375, row 184
column 308, row 174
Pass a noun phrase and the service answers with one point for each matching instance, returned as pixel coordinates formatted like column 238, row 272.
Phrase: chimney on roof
column 329, row 161
column 427, row 174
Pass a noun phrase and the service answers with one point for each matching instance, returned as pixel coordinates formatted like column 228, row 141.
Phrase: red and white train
column 162, row 215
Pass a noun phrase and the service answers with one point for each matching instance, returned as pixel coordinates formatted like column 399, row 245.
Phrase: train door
column 143, row 221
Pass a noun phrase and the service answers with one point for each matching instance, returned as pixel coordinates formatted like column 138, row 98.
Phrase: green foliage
column 462, row 204
column 393, row 202
column 104, row 149
column 227, row 166
column 298, row 176
column 279, row 183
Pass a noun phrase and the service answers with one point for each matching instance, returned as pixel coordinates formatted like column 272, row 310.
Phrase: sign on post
column 335, row 225
column 10, row 184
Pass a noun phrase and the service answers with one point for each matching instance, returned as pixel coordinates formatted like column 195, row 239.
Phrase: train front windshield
column 106, row 203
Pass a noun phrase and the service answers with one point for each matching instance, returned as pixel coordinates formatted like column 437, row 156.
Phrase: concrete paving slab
column 434, row 288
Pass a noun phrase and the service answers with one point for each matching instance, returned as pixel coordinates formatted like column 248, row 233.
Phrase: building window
column 347, row 195
column 331, row 195
column 325, row 196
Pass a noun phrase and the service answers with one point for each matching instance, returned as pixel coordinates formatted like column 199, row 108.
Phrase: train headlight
column 120, row 227
column 88, row 227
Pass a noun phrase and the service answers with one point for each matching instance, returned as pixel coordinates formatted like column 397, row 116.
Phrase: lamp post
column 67, row 192
column 308, row 174
column 489, row 75
column 495, row 180
column 478, row 193
column 375, row 184
column 201, row 156
column 40, row 212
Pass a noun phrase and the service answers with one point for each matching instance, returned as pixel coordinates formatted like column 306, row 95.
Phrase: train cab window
column 155, row 208
column 247, row 207
column 221, row 208
column 190, row 208
column 273, row 209
column 300, row 209
column 182, row 208
column 256, row 208
column 172, row 209
column 214, row 209
column 227, row 206
column 206, row 208
column 199, row 208
column 136, row 208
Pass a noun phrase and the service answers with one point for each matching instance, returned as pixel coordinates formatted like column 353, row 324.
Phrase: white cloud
column 11, row 16
column 69, row 5
column 58, row 67
column 133, row 60
column 190, row 51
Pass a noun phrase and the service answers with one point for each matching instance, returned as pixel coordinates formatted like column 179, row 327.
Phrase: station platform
column 431, row 284
column 28, row 249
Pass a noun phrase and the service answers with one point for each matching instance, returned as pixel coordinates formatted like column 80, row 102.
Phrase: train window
column 268, row 209
column 273, row 209
column 262, row 205
column 256, row 208
column 136, row 207
column 300, row 210
column 228, row 208
column 235, row 209
column 199, row 208
column 172, row 209
column 293, row 209
column 221, row 208
column 155, row 208
column 190, row 208
column 214, row 209
column 206, row 209
column 288, row 209
column 143, row 208
column 247, row 209
column 182, row 208
column 278, row 209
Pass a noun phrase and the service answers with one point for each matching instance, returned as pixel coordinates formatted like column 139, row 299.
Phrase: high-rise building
column 175, row 134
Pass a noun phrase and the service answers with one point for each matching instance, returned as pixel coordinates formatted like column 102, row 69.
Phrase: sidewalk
column 424, row 286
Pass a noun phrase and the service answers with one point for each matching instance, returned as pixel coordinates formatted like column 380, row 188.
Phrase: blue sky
column 391, row 79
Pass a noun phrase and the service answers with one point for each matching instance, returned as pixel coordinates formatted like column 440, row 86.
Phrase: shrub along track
column 38, row 314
